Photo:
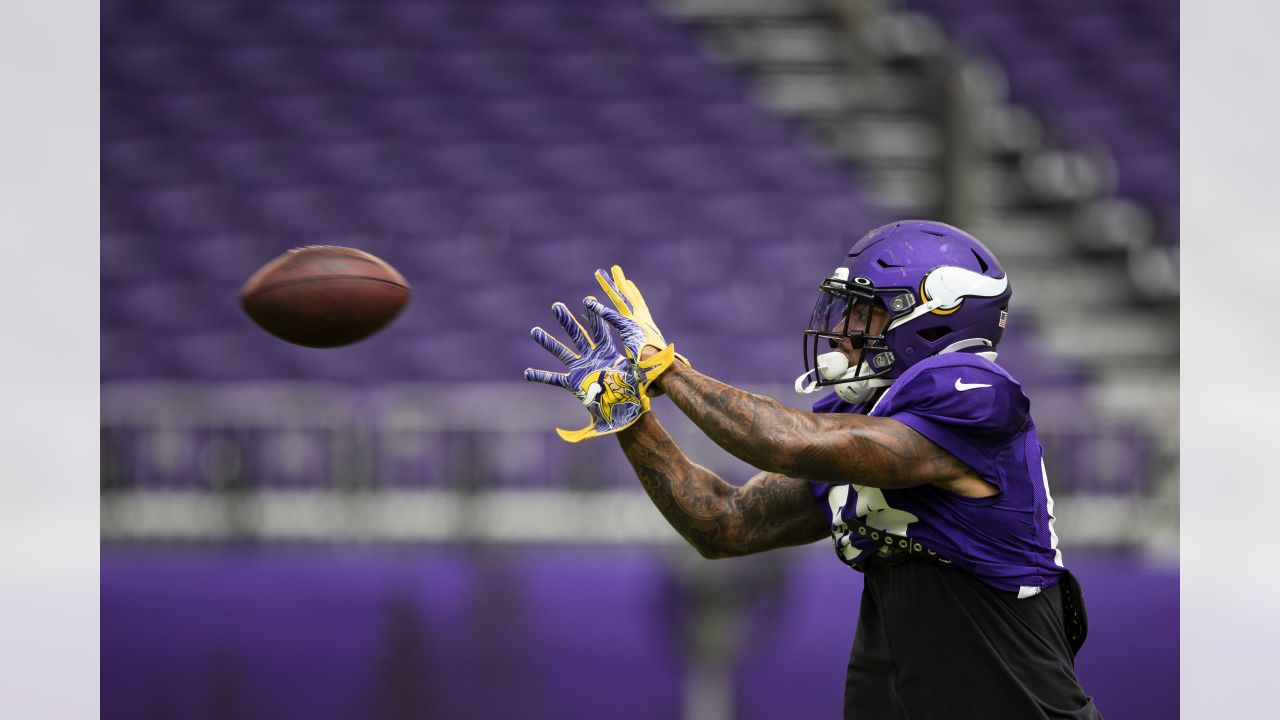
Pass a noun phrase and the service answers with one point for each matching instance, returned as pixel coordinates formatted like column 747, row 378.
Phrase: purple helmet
column 942, row 289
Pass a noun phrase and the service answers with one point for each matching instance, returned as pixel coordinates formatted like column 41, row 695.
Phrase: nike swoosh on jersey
column 962, row 386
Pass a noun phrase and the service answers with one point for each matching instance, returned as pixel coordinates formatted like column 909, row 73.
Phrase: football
column 324, row 296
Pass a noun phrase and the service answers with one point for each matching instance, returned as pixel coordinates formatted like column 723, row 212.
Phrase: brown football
column 324, row 296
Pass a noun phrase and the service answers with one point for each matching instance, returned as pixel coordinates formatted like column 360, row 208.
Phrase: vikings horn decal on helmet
column 908, row 290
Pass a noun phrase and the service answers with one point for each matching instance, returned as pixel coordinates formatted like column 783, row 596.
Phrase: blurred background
column 392, row 530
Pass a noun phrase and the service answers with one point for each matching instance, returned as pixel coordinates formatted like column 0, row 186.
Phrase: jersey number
column 872, row 509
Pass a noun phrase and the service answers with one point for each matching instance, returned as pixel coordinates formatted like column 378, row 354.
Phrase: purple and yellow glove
column 604, row 380
column 635, row 325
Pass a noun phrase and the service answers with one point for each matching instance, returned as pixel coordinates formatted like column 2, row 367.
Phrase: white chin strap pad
column 830, row 365
column 834, row 366
column 860, row 391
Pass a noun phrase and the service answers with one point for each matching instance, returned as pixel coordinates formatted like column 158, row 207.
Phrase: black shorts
column 935, row 642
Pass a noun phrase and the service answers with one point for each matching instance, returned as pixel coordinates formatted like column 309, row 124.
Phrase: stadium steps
column 863, row 79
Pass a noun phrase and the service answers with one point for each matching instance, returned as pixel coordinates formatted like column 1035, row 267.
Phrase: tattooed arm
column 719, row 519
column 834, row 448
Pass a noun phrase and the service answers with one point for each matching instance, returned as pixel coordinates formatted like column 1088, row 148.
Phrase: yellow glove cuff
column 590, row 431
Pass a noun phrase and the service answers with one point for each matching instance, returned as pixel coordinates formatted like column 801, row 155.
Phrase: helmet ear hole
column 981, row 263
column 933, row 333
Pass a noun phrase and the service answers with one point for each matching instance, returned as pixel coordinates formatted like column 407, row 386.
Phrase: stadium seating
column 232, row 132
column 496, row 154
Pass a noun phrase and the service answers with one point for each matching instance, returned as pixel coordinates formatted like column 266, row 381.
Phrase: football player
column 922, row 464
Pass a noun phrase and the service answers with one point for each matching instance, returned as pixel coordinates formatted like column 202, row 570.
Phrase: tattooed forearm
column 755, row 428
column 835, row 448
column 719, row 519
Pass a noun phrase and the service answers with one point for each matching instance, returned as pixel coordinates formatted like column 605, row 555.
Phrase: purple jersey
column 973, row 409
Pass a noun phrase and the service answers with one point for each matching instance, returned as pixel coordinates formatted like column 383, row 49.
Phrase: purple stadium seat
column 333, row 23
column 593, row 167
column 137, row 354
column 639, row 211
column 636, row 26
column 224, row 258
column 200, row 208
column 482, row 166
column 731, row 121
column 536, row 120
column 1151, row 177
column 486, row 73
column 380, row 70
column 305, row 212
column 648, row 121
column 218, row 21
column 368, row 164
column 194, row 112
column 600, row 75
column 434, row 25
column 147, row 161
column 322, row 116
column 545, row 27
column 269, row 68
column 152, row 67
column 415, row 211
column 704, row 168
column 685, row 75
column 752, row 212
column 426, row 118
column 257, row 163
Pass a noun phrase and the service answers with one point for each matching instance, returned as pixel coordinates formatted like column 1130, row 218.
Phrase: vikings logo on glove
column 608, row 394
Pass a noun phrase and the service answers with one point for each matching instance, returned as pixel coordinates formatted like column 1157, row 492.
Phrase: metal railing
column 440, row 463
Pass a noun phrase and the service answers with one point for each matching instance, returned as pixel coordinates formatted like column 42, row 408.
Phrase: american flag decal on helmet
column 1004, row 317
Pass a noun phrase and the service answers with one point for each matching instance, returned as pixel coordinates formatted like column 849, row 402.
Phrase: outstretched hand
column 607, row 382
